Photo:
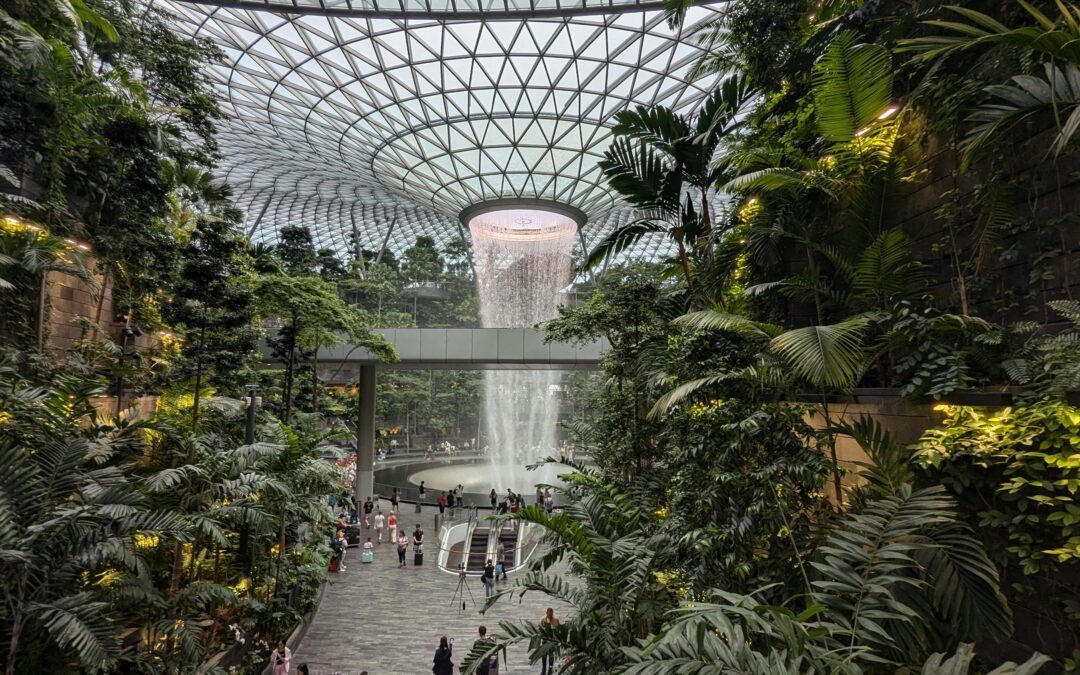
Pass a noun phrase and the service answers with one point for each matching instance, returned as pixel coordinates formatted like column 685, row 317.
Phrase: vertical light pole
column 125, row 333
column 249, row 435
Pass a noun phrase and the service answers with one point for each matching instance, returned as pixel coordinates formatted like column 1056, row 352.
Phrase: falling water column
column 523, row 262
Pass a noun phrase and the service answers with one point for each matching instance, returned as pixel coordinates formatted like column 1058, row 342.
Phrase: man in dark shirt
column 489, row 665
column 369, row 506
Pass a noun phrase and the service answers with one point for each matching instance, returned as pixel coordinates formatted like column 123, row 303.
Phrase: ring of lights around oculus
column 523, row 224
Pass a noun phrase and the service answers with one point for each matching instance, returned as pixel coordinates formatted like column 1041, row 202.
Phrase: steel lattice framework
column 377, row 129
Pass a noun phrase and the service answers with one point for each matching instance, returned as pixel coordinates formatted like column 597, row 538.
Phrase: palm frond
column 826, row 356
column 852, row 86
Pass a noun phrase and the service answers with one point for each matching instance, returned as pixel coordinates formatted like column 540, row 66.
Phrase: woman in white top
column 380, row 522
column 279, row 659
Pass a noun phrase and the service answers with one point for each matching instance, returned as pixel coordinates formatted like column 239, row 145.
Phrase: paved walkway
column 388, row 621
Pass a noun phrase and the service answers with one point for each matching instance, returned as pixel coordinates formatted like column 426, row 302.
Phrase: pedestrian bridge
column 460, row 349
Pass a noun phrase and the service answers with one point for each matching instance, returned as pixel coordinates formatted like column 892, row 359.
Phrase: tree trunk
column 198, row 387
column 101, row 300
column 290, row 365
column 315, row 379
column 16, row 628
column 177, row 568
column 684, row 260
column 831, row 436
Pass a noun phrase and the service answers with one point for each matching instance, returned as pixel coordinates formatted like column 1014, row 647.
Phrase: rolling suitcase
column 418, row 556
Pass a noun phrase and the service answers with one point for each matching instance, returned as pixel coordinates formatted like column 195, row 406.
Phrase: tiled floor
column 388, row 621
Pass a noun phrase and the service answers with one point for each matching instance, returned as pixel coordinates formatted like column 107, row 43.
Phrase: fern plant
column 890, row 574
column 1050, row 365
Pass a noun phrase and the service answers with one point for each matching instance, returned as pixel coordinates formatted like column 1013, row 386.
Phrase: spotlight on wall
column 889, row 112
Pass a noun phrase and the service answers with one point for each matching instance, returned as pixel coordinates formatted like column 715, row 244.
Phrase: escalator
column 478, row 549
column 508, row 537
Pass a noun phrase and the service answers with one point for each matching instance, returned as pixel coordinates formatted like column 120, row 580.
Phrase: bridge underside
column 459, row 349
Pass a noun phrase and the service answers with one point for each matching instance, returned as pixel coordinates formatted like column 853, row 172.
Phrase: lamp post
column 249, row 436
column 126, row 332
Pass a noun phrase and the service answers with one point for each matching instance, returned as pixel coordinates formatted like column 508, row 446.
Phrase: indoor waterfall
column 523, row 263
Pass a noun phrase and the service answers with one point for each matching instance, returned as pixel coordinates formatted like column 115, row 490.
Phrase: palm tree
column 1053, row 95
column 893, row 583
column 664, row 164
column 606, row 542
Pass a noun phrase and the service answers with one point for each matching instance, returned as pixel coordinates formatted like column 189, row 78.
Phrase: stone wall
column 906, row 421
column 68, row 299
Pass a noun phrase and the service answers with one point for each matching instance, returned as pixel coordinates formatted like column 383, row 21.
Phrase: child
column 368, row 554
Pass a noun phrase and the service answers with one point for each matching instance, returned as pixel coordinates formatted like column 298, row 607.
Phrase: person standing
column 279, row 659
column 420, row 500
column 494, row 497
column 391, row 527
column 380, row 523
column 418, row 545
column 402, row 547
column 442, row 502
column 442, row 663
column 549, row 504
column 547, row 663
column 488, row 579
column 450, row 503
column 394, row 499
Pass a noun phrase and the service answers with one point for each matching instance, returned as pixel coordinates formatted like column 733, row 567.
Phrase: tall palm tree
column 665, row 165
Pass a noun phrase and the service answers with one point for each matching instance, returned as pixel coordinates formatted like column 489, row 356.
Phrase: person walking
column 442, row 502
column 450, row 503
column 500, row 561
column 368, row 554
column 494, row 497
column 539, row 498
column 489, row 665
column 547, row 663
column 488, row 579
column 380, row 523
column 369, row 506
column 394, row 499
column 549, row 504
column 279, row 659
column 442, row 663
column 391, row 526
column 402, row 547
column 420, row 501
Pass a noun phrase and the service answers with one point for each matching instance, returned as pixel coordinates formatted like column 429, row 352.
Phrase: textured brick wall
column 67, row 300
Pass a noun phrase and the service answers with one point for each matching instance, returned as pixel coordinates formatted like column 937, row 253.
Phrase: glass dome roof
column 382, row 129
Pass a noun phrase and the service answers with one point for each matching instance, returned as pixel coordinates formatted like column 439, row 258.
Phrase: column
column 365, row 436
